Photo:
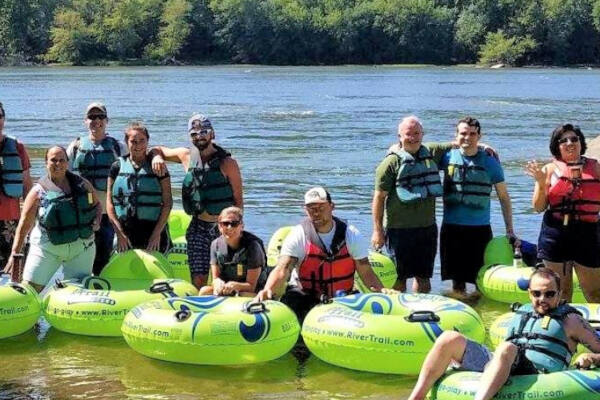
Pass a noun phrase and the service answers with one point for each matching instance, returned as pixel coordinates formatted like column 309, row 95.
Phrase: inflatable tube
column 383, row 333
column 211, row 330
column 96, row 306
column 498, row 329
column 500, row 280
column 383, row 266
column 178, row 223
column 564, row 385
column 19, row 307
column 178, row 259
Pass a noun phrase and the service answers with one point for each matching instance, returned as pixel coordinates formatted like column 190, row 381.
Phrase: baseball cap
column 317, row 195
column 95, row 106
column 199, row 121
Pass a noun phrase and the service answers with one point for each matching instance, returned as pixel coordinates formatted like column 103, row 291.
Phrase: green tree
column 174, row 30
column 499, row 48
column 71, row 38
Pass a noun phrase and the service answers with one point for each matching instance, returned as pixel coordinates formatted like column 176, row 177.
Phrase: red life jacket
column 577, row 197
column 324, row 271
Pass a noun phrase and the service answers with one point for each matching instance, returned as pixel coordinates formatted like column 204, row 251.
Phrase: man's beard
column 202, row 145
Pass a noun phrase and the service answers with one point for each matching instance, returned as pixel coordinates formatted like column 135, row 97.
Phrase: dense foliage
column 301, row 31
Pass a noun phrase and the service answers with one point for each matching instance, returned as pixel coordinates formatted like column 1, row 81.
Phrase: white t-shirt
column 294, row 245
column 71, row 154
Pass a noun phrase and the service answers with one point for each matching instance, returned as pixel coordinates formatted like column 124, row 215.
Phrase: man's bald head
column 410, row 121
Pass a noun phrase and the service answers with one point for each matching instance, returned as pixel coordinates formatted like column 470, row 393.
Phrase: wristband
column 18, row 255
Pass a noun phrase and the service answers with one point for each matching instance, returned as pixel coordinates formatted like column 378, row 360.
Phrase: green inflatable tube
column 384, row 333
column 564, row 385
column 19, row 307
column 211, row 330
column 178, row 223
column 383, row 266
column 501, row 281
column 96, row 306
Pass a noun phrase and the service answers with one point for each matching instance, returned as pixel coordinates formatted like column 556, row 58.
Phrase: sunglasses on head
column 96, row 117
column 232, row 224
column 572, row 139
column 538, row 293
column 202, row 132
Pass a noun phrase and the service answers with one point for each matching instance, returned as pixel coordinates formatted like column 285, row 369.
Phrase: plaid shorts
column 199, row 236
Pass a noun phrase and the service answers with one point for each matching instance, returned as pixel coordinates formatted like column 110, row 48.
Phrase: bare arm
column 30, row 210
column 95, row 202
column 582, row 332
column 506, row 206
column 167, row 204
column 367, row 275
column 278, row 278
column 178, row 155
column 231, row 170
column 123, row 242
column 378, row 237
column 27, row 182
column 539, row 201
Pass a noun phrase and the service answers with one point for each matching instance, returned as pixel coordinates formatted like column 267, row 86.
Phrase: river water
column 290, row 128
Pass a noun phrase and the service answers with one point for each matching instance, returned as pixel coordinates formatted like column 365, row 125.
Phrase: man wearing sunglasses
column 541, row 338
column 91, row 156
column 212, row 183
column 324, row 252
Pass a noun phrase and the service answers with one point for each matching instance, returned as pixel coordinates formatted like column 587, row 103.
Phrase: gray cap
column 317, row 195
column 95, row 106
column 199, row 121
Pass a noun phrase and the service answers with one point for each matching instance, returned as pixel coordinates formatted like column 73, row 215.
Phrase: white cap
column 199, row 121
column 317, row 195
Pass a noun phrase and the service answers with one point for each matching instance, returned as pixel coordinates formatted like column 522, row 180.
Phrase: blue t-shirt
column 460, row 214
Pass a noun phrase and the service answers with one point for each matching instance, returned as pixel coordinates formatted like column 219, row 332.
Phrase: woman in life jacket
column 62, row 212
column 568, row 191
column 237, row 258
column 138, row 201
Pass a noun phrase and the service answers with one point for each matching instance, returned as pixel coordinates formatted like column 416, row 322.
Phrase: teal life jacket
column 136, row 193
column 237, row 268
column 11, row 169
column 68, row 217
column 207, row 190
column 467, row 181
column 93, row 161
column 418, row 176
column 542, row 338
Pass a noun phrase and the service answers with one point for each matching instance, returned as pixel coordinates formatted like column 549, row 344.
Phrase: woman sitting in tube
column 568, row 191
column 237, row 258
column 138, row 201
column 62, row 212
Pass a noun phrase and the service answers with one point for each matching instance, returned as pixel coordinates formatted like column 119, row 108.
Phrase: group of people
column 100, row 187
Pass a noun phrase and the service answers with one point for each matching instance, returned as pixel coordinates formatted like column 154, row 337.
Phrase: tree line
column 300, row 32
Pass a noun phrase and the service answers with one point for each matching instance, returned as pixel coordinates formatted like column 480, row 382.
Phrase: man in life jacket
column 470, row 174
column 407, row 183
column 541, row 338
column 15, row 183
column 91, row 156
column 212, row 183
column 324, row 252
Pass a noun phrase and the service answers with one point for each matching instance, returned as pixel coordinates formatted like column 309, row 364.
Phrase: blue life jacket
column 542, row 337
column 418, row 176
column 207, row 190
column 136, row 193
column 237, row 268
column 11, row 169
column 68, row 217
column 93, row 161
column 467, row 181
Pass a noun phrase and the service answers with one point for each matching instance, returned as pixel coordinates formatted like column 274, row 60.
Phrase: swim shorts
column 414, row 250
column 199, row 236
column 578, row 241
column 476, row 357
column 461, row 250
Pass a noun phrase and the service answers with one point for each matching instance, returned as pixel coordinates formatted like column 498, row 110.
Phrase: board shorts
column 461, row 250
column 414, row 250
column 199, row 236
column 578, row 241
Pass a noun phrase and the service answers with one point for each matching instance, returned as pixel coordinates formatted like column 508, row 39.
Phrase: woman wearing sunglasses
column 568, row 190
column 237, row 257
column 138, row 201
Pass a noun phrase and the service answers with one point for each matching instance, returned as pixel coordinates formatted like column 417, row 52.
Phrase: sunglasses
column 202, row 132
column 538, row 293
column 572, row 139
column 96, row 117
column 230, row 224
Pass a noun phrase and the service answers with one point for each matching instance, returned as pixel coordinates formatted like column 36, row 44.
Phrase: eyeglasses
column 96, row 117
column 538, row 293
column 232, row 224
column 202, row 132
column 572, row 139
